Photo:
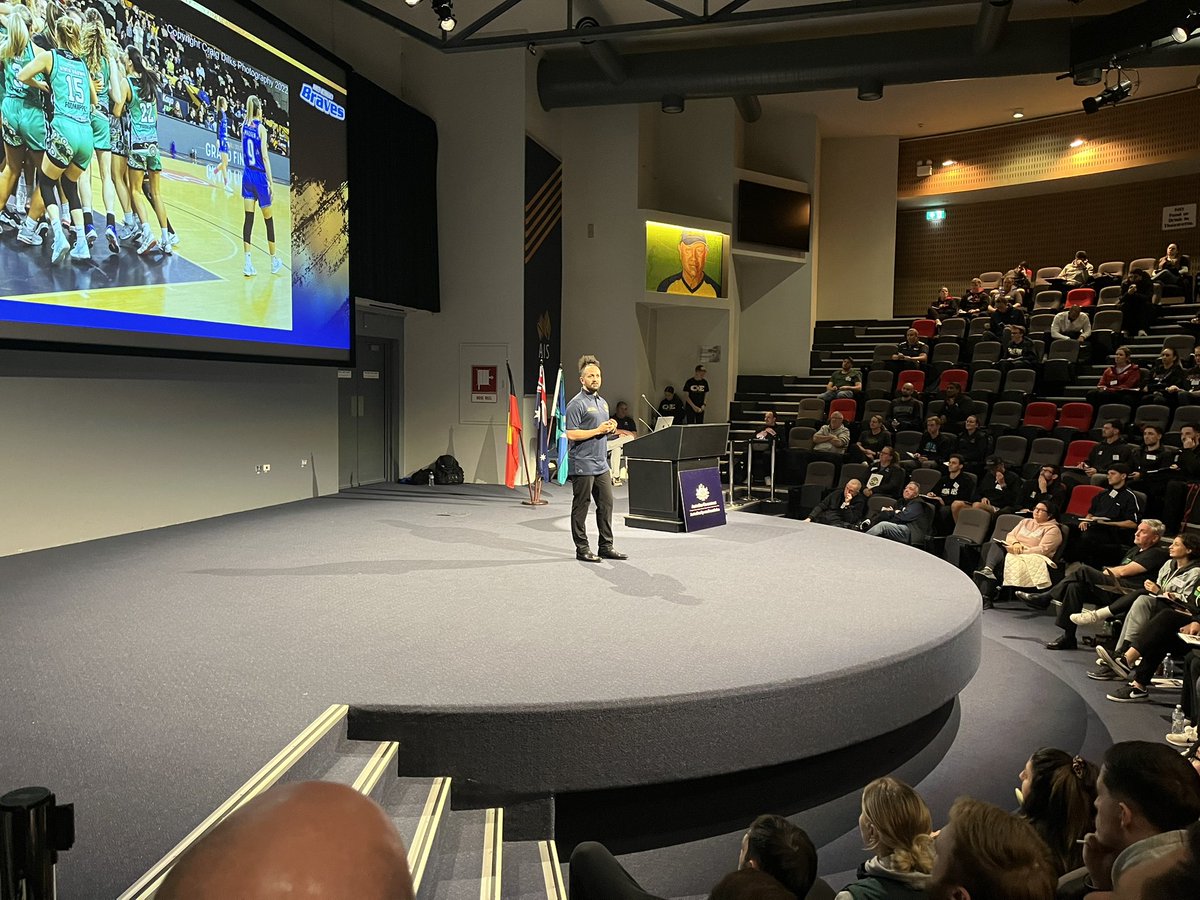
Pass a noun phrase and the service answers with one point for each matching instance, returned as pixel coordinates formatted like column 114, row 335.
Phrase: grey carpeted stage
column 146, row 676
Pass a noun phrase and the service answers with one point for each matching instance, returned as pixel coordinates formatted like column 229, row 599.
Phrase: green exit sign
column 935, row 215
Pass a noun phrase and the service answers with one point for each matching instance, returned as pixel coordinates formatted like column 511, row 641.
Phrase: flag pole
column 532, row 501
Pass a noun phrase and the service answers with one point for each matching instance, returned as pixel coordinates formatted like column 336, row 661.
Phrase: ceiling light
column 672, row 103
column 871, row 89
column 412, row 2
column 1183, row 31
column 946, row 163
column 1078, row 142
column 1110, row 96
column 444, row 10
column 1019, row 113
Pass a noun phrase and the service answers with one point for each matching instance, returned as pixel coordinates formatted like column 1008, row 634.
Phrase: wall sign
column 1176, row 217
column 484, row 384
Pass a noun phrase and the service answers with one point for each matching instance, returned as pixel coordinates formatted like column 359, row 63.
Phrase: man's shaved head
column 313, row 840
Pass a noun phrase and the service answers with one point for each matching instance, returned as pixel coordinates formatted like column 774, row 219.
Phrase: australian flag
column 543, row 428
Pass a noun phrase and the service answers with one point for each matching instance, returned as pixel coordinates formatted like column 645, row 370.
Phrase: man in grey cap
column 693, row 253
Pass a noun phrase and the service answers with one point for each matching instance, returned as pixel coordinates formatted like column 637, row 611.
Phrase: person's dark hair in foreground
column 311, row 839
column 750, row 884
column 1058, row 791
column 985, row 853
column 1155, row 781
column 782, row 850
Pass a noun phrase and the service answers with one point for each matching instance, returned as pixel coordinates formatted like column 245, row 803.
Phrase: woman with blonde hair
column 895, row 825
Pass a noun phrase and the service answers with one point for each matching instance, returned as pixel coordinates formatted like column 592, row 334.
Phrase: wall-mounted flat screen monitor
column 192, row 192
column 772, row 216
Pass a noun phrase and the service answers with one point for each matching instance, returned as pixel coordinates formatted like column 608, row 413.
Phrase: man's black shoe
column 610, row 553
column 586, row 556
column 1034, row 601
column 1063, row 643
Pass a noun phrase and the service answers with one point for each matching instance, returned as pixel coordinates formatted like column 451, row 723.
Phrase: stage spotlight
column 672, row 103
column 1182, row 32
column 444, row 10
column 1110, row 96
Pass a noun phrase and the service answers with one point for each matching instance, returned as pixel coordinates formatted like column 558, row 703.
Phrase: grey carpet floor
column 144, row 677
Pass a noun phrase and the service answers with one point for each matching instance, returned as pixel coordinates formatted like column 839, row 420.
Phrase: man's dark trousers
column 1079, row 584
column 596, row 875
column 586, row 488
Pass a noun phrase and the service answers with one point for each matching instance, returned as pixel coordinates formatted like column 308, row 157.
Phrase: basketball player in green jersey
column 69, row 140
column 24, row 119
column 100, row 57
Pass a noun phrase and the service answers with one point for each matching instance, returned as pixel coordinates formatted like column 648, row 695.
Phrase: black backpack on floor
column 446, row 470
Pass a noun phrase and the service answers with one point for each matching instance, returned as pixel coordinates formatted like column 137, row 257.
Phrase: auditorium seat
column 1044, row 273
column 1040, row 323
column 1184, row 415
column 876, row 407
column 985, row 355
column 1077, row 452
column 1047, row 299
column 1044, row 451
column 953, row 329
column 1107, row 320
column 985, row 384
column 1019, row 384
column 1081, row 297
column 1039, row 419
column 1073, row 419
column 979, row 325
column 878, row 384
column 1012, row 449
column 991, row 280
column 810, row 411
column 1064, row 348
column 876, row 502
column 882, row 355
column 915, row 377
column 926, row 328
column 1111, row 268
column 1154, row 414
column 1145, row 263
column 969, row 533
column 906, row 442
column 1182, row 344
column 1005, row 417
column 818, row 481
column 1110, row 411
column 944, row 355
column 1110, row 295
column 953, row 376
column 847, row 406
column 852, row 470
column 800, row 437
column 1081, row 498
column 927, row 479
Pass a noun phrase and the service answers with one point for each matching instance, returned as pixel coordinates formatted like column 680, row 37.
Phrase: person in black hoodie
column 886, row 477
column 1184, row 485
column 997, row 490
column 975, row 446
column 1044, row 487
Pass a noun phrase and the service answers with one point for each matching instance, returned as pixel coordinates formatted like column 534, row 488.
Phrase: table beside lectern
column 655, row 461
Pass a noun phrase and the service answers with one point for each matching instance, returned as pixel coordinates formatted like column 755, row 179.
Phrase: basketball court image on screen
column 202, row 280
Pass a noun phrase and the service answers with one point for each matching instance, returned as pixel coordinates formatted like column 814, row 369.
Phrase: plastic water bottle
column 1178, row 721
column 431, row 477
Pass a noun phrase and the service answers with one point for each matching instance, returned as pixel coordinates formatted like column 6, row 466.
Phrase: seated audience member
column 1164, row 378
column 1137, row 303
column 1023, row 560
column 974, row 444
column 1151, row 631
column 1119, row 382
column 1083, row 583
column 997, row 489
column 909, row 523
column 842, row 507
column 1110, row 450
column 985, row 853
column 1098, row 538
column 934, row 446
column 955, row 484
column 896, row 826
column 1175, row 583
column 670, row 405
column 886, row 477
column 1018, row 353
column 906, row 412
column 1044, row 487
column 1009, row 291
column 1185, row 479
column 833, row 436
column 956, row 406
column 1152, row 465
column 1170, row 873
column 1057, row 794
column 749, row 884
column 844, row 384
column 1021, row 274
column 327, row 837
column 1189, row 392
column 1072, row 324
column 1076, row 273
column 1004, row 315
column 911, row 353
column 1144, row 792
column 870, row 441
column 974, row 301
column 772, row 845
column 1171, row 267
column 769, row 435
column 944, row 307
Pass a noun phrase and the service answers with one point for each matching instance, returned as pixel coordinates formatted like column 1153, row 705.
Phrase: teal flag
column 560, row 424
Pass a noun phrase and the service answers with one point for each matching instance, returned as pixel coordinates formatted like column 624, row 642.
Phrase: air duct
column 749, row 107
column 989, row 27
column 603, row 55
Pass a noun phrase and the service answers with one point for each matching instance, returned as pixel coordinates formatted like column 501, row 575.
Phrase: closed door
column 363, row 417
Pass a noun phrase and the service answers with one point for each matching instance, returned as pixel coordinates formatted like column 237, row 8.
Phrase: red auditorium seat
column 848, row 407
column 926, row 328
column 1081, row 297
column 915, row 377
column 1077, row 416
column 954, row 376
column 1040, row 414
column 1081, row 498
column 1077, row 452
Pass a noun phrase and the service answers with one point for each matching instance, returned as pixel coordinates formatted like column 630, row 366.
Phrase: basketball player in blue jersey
column 219, row 174
column 256, row 183
column 69, row 147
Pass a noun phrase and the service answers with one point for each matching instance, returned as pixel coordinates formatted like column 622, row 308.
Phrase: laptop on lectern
column 664, row 422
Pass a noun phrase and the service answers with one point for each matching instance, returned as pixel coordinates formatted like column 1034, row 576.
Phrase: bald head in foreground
column 312, row 840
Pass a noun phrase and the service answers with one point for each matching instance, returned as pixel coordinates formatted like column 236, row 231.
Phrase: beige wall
column 857, row 262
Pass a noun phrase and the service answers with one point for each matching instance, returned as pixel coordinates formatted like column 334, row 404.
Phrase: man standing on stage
column 588, row 428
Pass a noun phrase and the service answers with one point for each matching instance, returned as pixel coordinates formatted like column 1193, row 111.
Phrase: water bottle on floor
column 1177, row 720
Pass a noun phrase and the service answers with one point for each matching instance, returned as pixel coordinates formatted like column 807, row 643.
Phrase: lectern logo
column 701, row 492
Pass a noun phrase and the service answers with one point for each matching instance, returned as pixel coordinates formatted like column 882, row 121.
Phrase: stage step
column 320, row 752
column 416, row 807
column 467, row 858
column 532, row 872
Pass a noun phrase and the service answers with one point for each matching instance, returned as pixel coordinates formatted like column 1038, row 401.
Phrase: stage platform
column 147, row 675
